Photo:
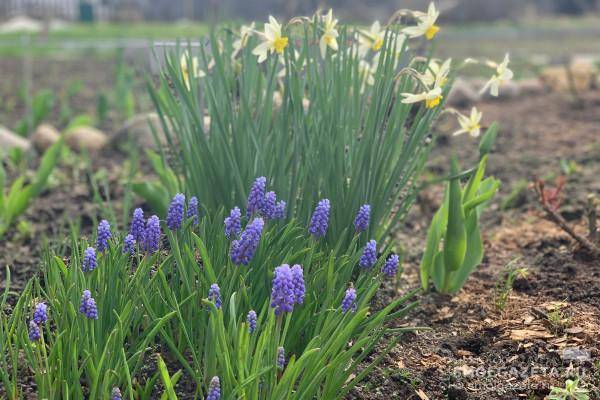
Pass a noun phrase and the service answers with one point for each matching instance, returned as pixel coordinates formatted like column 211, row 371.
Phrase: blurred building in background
column 212, row 10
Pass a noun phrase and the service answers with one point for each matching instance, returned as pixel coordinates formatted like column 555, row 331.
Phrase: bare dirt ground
column 473, row 349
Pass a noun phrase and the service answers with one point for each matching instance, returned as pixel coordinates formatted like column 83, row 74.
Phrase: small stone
column 10, row 140
column 45, row 136
column 141, row 128
column 86, row 137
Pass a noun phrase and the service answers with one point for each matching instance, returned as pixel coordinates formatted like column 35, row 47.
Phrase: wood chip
column 574, row 330
column 528, row 334
column 421, row 394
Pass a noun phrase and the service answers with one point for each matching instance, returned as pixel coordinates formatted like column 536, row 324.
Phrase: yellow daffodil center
column 431, row 31
column 280, row 44
column 328, row 39
column 430, row 103
column 474, row 128
column 377, row 44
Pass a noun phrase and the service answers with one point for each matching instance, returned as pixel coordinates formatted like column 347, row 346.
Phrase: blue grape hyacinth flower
column 320, row 219
column 104, row 235
column 138, row 225
column 251, row 318
column 214, row 294
column 89, row 260
column 233, row 223
column 175, row 213
column 280, row 358
column 129, row 244
column 298, row 281
column 361, row 222
column 390, row 268
column 34, row 331
column 243, row 249
column 369, row 256
column 88, row 305
column 192, row 210
column 40, row 313
column 116, row 394
column 283, row 296
column 214, row 389
column 256, row 197
column 152, row 235
column 349, row 301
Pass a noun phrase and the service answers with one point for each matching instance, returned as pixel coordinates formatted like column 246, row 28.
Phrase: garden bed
column 473, row 349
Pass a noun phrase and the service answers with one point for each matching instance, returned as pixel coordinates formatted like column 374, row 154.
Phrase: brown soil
column 473, row 349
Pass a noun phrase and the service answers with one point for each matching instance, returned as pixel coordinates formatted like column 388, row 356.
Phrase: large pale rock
column 462, row 94
column 140, row 129
column 86, row 137
column 45, row 136
column 582, row 72
column 10, row 140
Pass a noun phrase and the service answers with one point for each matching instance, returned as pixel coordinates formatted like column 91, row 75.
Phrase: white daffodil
column 436, row 74
column 245, row 33
column 469, row 124
column 273, row 41
column 330, row 34
column 431, row 97
column 371, row 39
column 503, row 74
column 426, row 25
column 184, row 65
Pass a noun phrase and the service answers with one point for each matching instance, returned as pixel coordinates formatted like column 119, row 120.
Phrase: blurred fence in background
column 212, row 10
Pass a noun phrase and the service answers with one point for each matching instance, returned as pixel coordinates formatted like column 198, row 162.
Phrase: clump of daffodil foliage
column 324, row 109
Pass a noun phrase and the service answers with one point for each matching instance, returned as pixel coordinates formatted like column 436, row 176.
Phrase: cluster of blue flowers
column 88, row 305
column 40, row 316
column 214, row 389
column 288, row 288
column 214, row 294
column 264, row 203
column 288, row 285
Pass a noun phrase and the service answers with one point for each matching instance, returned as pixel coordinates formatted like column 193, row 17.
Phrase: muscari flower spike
column 192, row 210
column 138, row 225
column 129, row 244
column 349, row 301
column 269, row 205
column 34, row 331
column 251, row 318
column 280, row 208
column 280, row 357
column 214, row 389
column 233, row 223
column 103, row 236
column 243, row 249
column 283, row 293
column 320, row 219
column 298, row 281
column 115, row 394
column 214, row 294
column 369, row 256
column 89, row 260
column 175, row 213
column 152, row 235
column 361, row 222
column 256, row 197
column 88, row 305
column 390, row 268
column 40, row 313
